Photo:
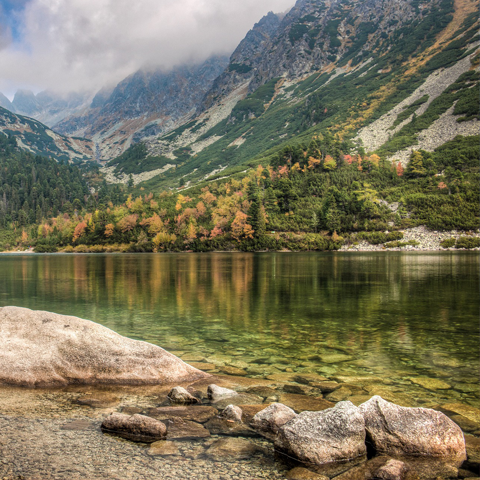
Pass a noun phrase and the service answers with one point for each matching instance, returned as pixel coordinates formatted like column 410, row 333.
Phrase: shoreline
column 428, row 241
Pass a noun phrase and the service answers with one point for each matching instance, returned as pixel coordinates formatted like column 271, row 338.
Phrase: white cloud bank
column 69, row 45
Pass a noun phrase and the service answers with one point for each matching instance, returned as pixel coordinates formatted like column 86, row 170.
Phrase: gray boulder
column 45, row 349
column 395, row 430
column 179, row 395
column 216, row 393
column 270, row 419
column 333, row 435
column 232, row 413
column 138, row 428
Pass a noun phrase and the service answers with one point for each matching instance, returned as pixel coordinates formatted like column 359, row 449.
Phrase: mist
column 83, row 45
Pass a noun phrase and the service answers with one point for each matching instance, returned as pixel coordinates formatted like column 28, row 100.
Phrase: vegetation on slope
column 309, row 197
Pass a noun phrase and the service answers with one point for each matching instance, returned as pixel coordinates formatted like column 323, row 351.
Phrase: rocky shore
column 428, row 240
column 234, row 430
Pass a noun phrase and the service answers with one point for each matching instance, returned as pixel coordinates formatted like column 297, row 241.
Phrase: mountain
column 6, row 103
column 383, row 75
column 32, row 136
column 147, row 103
column 48, row 107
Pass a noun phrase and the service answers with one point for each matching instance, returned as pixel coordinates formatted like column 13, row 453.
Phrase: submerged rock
column 163, row 448
column 46, row 349
column 199, row 414
column 138, row 428
column 231, row 449
column 270, row 419
column 333, row 435
column 395, row 430
column 300, row 473
column 179, row 429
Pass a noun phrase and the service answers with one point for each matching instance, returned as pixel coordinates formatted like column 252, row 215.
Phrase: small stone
column 335, row 358
column 199, row 413
column 269, row 420
column 216, row 393
column 232, row 412
column 233, row 371
column 392, row 470
column 430, row 383
column 325, row 387
column 179, row 395
column 138, row 428
column 98, row 400
column 231, row 450
column 222, row 426
column 342, row 393
column 205, row 367
column 309, row 378
column 163, row 448
column 301, row 403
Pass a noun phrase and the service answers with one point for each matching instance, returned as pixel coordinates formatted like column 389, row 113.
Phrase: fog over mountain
column 75, row 45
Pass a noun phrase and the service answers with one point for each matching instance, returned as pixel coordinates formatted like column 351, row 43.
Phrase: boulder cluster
column 336, row 435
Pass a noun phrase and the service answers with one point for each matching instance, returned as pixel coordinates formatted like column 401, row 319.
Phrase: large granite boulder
column 47, row 349
column 138, row 428
column 333, row 435
column 395, row 430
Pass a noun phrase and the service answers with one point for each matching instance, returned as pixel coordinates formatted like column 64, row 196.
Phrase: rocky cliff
column 149, row 102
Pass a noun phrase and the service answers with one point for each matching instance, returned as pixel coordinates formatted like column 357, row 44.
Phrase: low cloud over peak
column 67, row 45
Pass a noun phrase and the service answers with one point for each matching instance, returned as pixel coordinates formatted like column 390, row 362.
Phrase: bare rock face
column 333, row 435
column 138, row 428
column 270, row 419
column 47, row 349
column 396, row 430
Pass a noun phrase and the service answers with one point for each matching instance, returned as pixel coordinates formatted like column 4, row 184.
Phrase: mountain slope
column 34, row 137
column 337, row 67
column 146, row 103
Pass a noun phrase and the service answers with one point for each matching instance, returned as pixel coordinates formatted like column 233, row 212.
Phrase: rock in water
column 270, row 419
column 179, row 395
column 395, row 430
column 333, row 435
column 138, row 428
column 47, row 349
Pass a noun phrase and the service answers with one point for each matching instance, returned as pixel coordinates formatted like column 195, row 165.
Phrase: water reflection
column 391, row 313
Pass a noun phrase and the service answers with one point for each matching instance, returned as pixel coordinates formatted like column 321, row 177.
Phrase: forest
column 309, row 197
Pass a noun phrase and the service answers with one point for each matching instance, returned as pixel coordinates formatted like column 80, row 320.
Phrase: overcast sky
column 70, row 45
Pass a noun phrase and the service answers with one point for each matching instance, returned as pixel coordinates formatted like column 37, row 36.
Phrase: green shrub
column 45, row 248
column 398, row 244
column 448, row 243
column 468, row 242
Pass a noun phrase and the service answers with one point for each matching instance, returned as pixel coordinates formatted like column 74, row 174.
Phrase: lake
column 409, row 318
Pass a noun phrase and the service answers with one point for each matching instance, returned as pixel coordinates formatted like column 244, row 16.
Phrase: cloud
column 68, row 45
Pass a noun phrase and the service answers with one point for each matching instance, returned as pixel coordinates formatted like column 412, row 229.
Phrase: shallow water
column 397, row 316
column 406, row 324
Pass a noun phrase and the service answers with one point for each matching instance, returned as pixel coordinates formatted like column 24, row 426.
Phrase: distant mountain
column 6, row 103
column 384, row 75
column 48, row 107
column 147, row 103
column 34, row 137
